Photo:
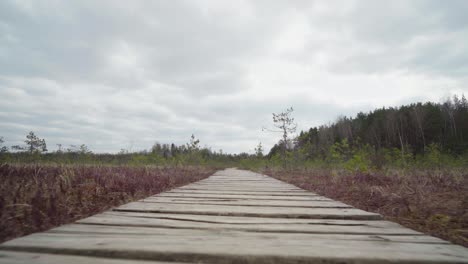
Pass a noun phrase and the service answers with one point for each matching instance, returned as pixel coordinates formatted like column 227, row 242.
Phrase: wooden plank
column 136, row 231
column 238, row 247
column 243, row 196
column 229, row 180
column 245, row 192
column 268, row 187
column 231, row 199
column 240, row 220
column 382, row 228
column 243, row 183
column 242, row 189
column 284, row 212
column 12, row 257
column 247, row 202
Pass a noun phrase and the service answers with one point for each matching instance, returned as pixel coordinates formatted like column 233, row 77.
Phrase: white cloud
column 145, row 71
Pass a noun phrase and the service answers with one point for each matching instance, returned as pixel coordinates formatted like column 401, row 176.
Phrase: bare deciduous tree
column 286, row 125
column 193, row 145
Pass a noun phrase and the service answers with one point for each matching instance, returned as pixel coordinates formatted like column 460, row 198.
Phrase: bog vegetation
column 35, row 197
column 429, row 135
column 408, row 163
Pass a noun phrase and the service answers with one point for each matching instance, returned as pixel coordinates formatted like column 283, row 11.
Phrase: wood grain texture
column 13, row 257
column 279, row 212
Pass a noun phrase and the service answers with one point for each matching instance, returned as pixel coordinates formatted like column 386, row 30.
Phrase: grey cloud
column 385, row 36
column 173, row 42
column 118, row 74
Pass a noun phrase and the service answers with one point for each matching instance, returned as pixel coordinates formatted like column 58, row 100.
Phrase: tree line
column 403, row 133
column 35, row 149
column 429, row 133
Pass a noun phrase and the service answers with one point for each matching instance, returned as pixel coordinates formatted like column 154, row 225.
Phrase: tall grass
column 432, row 201
column 37, row 197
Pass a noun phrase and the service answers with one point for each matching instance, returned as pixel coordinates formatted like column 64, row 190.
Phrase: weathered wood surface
column 13, row 257
column 233, row 216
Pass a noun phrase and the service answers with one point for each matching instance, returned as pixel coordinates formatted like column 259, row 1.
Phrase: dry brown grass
column 37, row 197
column 431, row 201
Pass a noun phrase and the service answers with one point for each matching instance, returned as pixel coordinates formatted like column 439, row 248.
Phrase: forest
column 419, row 134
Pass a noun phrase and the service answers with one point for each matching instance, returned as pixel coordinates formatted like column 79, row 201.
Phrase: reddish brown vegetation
column 37, row 197
column 433, row 202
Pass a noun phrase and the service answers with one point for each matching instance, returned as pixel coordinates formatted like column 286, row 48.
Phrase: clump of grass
column 431, row 201
column 37, row 197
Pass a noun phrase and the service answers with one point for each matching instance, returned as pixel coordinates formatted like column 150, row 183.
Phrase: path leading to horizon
column 234, row 216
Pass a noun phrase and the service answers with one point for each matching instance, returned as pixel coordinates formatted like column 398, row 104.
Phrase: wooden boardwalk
column 233, row 216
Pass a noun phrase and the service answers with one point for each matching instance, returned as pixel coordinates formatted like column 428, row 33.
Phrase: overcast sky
column 125, row 74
